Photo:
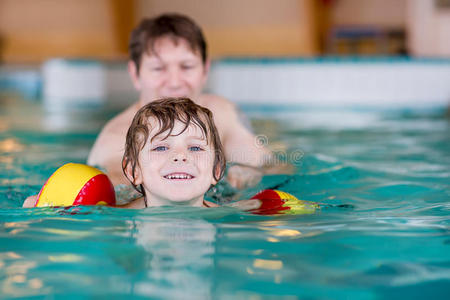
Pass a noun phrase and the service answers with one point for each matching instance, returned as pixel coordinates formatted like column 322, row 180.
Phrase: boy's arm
column 135, row 204
column 30, row 201
column 249, row 204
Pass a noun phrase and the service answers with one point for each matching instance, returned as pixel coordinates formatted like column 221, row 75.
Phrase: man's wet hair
column 174, row 26
column 166, row 111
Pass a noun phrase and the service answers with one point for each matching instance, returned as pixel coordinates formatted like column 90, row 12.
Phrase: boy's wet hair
column 166, row 112
column 174, row 26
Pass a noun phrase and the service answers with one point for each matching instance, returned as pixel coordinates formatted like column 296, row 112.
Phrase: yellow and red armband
column 77, row 184
column 278, row 202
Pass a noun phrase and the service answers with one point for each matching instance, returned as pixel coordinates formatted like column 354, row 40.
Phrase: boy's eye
column 160, row 148
column 195, row 148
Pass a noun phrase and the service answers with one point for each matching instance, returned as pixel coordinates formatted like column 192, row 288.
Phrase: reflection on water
column 178, row 260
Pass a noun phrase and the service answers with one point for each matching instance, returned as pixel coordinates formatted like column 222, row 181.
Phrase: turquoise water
column 388, row 169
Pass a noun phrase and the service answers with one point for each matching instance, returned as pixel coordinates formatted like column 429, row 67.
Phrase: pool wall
column 334, row 81
column 385, row 82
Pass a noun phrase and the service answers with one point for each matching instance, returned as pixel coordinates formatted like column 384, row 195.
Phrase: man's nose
column 174, row 78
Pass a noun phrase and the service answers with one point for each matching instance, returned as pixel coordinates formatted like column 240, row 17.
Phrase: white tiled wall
column 316, row 82
column 334, row 83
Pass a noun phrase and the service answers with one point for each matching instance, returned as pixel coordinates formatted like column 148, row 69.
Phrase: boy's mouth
column 178, row 176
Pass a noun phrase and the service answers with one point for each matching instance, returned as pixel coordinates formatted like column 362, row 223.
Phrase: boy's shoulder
column 140, row 203
column 135, row 204
column 210, row 204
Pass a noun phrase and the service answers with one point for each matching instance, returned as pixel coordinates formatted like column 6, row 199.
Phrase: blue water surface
column 382, row 177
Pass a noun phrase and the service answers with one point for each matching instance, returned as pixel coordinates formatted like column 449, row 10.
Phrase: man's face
column 177, row 169
column 171, row 70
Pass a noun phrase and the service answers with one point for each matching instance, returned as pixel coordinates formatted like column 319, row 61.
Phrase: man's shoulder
column 120, row 123
column 109, row 144
column 216, row 103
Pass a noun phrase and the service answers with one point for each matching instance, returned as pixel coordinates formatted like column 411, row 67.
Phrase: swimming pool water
column 390, row 239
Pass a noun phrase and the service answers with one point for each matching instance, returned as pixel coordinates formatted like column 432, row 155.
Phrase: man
column 168, row 58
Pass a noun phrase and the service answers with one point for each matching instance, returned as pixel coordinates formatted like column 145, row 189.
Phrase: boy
column 173, row 154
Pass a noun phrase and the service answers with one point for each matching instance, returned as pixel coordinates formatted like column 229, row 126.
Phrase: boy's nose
column 180, row 157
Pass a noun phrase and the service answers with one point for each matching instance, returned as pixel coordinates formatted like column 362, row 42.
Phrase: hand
column 30, row 201
column 249, row 204
column 241, row 176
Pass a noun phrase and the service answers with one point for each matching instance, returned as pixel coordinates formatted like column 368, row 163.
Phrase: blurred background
column 36, row 30
column 242, row 36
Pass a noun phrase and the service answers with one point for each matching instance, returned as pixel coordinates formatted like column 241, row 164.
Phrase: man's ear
column 207, row 66
column 134, row 75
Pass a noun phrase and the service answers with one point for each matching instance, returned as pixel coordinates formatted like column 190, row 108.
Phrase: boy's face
column 171, row 70
column 178, row 169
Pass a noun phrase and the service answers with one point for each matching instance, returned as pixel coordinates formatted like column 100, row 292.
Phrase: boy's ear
column 137, row 178
column 134, row 75
column 217, row 172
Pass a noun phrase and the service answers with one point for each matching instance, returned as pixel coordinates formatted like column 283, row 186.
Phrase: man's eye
column 187, row 67
column 157, row 69
column 195, row 148
column 160, row 148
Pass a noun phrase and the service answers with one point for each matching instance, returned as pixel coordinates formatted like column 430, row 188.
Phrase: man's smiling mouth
column 179, row 176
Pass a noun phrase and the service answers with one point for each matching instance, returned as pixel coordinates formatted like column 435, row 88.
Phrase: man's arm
column 240, row 144
column 248, row 152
